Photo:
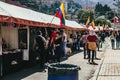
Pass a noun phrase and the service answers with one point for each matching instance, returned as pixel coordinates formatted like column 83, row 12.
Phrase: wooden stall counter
column 12, row 61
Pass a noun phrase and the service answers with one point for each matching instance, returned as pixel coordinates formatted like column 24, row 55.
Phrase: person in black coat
column 40, row 43
column 58, row 47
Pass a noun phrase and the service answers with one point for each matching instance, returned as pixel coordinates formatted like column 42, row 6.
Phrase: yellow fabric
column 92, row 45
column 112, row 37
column 62, row 7
column 88, row 20
column 93, row 24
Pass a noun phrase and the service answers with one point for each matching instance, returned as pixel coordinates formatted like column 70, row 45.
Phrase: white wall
column 10, row 35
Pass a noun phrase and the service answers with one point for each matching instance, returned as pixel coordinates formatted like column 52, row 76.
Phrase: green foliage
column 102, row 22
column 106, row 8
column 103, row 10
column 110, row 15
column 47, row 9
column 98, row 7
column 84, row 14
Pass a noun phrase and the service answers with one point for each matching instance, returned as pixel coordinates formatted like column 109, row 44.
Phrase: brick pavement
column 110, row 66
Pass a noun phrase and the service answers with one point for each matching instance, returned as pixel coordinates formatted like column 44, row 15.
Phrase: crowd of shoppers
column 52, row 48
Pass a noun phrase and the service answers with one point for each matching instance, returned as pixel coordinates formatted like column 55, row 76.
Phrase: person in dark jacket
column 117, row 40
column 40, row 43
column 91, row 40
column 59, row 47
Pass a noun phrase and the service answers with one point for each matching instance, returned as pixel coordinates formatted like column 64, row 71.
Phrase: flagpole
column 49, row 24
column 52, row 19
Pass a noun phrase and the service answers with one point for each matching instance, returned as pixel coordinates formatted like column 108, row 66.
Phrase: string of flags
column 92, row 24
column 88, row 23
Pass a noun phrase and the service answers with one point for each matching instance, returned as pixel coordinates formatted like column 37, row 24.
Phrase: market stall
column 17, row 30
column 12, row 55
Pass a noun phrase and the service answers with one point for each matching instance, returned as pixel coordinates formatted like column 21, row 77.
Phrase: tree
column 99, row 8
column 106, row 8
column 110, row 15
column 102, row 22
column 84, row 14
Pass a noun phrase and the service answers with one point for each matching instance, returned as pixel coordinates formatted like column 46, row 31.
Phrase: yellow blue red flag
column 61, row 14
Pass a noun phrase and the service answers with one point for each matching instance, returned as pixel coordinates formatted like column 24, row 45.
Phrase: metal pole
column 51, row 20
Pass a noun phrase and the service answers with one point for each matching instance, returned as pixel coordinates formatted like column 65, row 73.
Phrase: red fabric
column 92, row 38
column 59, row 16
column 54, row 37
column 116, row 20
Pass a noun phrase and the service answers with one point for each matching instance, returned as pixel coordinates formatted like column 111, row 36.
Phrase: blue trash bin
column 63, row 72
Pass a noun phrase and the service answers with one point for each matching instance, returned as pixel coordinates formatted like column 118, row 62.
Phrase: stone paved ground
column 35, row 73
column 110, row 66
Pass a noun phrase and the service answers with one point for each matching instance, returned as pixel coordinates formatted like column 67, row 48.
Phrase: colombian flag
column 61, row 14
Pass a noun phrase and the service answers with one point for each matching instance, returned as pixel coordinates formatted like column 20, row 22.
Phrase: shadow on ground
column 29, row 71
column 22, row 74
column 73, row 53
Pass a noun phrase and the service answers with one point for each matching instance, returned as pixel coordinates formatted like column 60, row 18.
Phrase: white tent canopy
column 96, row 28
column 30, row 15
column 19, row 12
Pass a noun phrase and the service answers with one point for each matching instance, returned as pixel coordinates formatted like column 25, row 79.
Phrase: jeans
column 113, row 43
column 78, row 46
column 64, row 48
column 85, row 50
column 117, row 44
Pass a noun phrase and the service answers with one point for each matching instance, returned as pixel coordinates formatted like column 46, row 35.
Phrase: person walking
column 84, row 41
column 118, row 40
column 112, row 38
column 91, row 40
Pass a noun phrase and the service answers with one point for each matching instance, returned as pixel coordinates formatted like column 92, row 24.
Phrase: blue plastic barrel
column 63, row 72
